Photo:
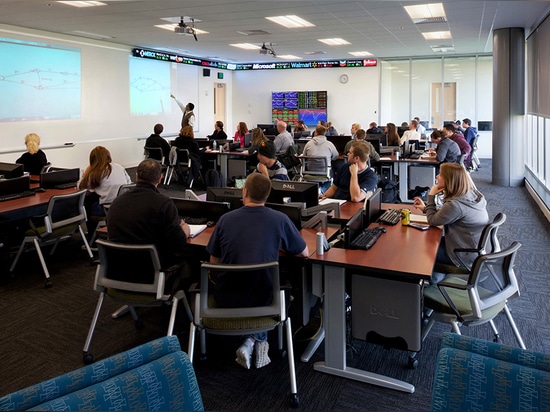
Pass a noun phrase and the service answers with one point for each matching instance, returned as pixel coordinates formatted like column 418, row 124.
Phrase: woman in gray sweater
column 463, row 213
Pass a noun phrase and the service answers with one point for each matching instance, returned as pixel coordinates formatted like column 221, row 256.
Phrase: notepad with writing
column 194, row 230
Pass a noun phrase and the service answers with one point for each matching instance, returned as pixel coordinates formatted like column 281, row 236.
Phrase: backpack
column 390, row 191
column 290, row 158
column 213, row 178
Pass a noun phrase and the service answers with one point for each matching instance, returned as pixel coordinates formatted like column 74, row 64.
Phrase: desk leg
column 312, row 288
column 403, row 181
column 222, row 161
column 335, row 338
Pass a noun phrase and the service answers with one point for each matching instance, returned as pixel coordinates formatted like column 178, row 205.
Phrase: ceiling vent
column 426, row 20
column 253, row 32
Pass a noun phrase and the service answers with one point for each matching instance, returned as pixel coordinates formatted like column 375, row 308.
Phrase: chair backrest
column 154, row 153
column 488, row 241
column 493, row 279
column 125, row 188
column 460, row 160
column 315, row 166
column 131, row 268
column 184, row 158
column 209, row 272
column 65, row 210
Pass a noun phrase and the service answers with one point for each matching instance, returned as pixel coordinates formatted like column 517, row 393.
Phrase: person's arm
column 191, row 120
column 261, row 168
column 304, row 253
column 355, row 192
column 446, row 214
column 330, row 192
column 214, row 259
column 180, row 104
column 278, row 144
column 441, row 152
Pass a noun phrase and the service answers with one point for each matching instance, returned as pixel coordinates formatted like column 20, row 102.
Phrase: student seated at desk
column 354, row 178
column 265, row 231
column 34, row 159
column 218, row 133
column 360, row 136
column 156, row 140
column 268, row 165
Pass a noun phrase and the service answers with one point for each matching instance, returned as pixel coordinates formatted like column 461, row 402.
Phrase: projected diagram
column 149, row 87
column 38, row 81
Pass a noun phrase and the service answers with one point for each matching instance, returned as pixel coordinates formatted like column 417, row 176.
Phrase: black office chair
column 64, row 216
column 131, row 275
column 243, row 320
column 155, row 153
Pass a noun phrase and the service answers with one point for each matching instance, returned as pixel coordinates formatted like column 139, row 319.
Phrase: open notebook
column 196, row 229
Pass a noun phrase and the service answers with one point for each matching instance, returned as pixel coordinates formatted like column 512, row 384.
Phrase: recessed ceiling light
column 360, row 53
column 437, row 35
column 288, row 57
column 170, row 27
column 82, row 3
column 291, row 21
column 422, row 12
column 334, row 41
column 246, row 46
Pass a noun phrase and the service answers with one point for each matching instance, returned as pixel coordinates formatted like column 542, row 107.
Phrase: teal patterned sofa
column 154, row 376
column 477, row 375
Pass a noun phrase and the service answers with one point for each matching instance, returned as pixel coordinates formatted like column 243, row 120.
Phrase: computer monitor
column 10, row 170
column 247, row 139
column 268, row 128
column 484, row 126
column 230, row 195
column 14, row 185
column 59, row 178
column 401, row 130
column 299, row 192
column 373, row 207
column 382, row 138
column 375, row 143
column 292, row 211
column 353, row 228
column 200, row 208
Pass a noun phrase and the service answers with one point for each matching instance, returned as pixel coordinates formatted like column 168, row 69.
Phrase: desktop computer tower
column 236, row 168
column 386, row 172
column 421, row 176
column 387, row 312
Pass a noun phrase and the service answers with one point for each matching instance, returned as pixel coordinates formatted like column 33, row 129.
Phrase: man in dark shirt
column 144, row 216
column 155, row 140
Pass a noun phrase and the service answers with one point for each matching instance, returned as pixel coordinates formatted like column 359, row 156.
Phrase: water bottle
column 214, row 145
column 320, row 243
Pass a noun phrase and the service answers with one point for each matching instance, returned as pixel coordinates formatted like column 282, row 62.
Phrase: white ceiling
column 380, row 27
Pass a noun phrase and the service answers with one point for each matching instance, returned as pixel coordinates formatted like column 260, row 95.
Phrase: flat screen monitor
column 247, row 139
column 14, row 185
column 401, row 130
column 353, row 227
column 200, row 208
column 10, row 170
column 484, row 126
column 382, row 138
column 56, row 178
column 269, row 129
column 339, row 142
column 230, row 195
column 299, row 192
column 375, row 143
column 292, row 211
column 373, row 207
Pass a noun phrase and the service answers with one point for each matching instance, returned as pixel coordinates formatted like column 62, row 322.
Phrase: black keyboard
column 19, row 195
column 65, row 185
column 367, row 238
column 390, row 217
column 195, row 220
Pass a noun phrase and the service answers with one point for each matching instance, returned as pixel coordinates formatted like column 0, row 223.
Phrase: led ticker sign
column 315, row 64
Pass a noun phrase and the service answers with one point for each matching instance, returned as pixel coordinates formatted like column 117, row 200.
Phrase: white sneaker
column 244, row 353
column 262, row 358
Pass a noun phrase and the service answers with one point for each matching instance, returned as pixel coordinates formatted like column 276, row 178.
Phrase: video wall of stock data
column 309, row 106
column 45, row 78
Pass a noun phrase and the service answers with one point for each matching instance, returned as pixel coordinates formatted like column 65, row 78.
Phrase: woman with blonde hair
column 102, row 178
column 463, row 213
column 242, row 129
column 34, row 159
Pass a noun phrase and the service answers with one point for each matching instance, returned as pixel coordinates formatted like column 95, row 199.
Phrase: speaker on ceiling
column 206, row 72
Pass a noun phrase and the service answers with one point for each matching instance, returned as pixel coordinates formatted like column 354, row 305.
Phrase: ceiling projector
column 183, row 30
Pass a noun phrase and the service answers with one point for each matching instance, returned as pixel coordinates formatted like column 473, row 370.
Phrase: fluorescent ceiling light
column 82, row 3
column 425, row 11
column 290, row 22
column 334, row 41
column 360, row 53
column 246, row 46
column 288, row 57
column 170, row 27
column 437, row 35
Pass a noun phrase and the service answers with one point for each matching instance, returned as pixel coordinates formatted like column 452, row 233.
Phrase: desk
column 26, row 207
column 332, row 267
column 222, row 158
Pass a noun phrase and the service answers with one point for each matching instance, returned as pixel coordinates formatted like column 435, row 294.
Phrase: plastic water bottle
column 214, row 145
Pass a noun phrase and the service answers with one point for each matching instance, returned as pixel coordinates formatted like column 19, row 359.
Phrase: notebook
column 194, row 230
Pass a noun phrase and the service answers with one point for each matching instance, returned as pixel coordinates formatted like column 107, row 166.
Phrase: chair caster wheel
column 413, row 363
column 139, row 324
column 294, row 400
column 203, row 358
column 48, row 284
column 282, row 354
column 88, row 358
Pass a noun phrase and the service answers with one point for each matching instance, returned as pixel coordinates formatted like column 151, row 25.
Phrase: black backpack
column 213, row 178
column 390, row 191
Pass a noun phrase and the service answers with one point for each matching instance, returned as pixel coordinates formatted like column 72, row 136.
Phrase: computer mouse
column 39, row 190
column 382, row 229
column 210, row 223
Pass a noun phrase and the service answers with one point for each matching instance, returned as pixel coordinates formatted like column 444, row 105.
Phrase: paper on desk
column 419, row 218
column 328, row 200
column 194, row 230
column 385, row 158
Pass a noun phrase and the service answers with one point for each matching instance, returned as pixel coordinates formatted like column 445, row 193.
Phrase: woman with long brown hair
column 242, row 129
column 393, row 136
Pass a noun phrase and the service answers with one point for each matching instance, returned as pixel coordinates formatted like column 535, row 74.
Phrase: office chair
column 460, row 161
column 244, row 320
column 155, row 153
column 479, row 298
column 290, row 159
column 64, row 216
column 131, row 275
column 315, row 169
column 182, row 164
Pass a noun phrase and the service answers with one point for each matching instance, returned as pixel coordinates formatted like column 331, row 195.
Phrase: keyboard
column 367, row 238
column 390, row 217
column 19, row 195
column 195, row 220
column 65, row 185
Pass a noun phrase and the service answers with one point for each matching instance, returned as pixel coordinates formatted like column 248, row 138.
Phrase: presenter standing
column 188, row 118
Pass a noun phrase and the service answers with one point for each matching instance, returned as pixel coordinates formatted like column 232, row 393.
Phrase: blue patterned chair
column 154, row 376
column 477, row 375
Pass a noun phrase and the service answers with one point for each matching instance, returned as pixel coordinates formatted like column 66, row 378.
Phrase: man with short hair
column 354, row 178
column 458, row 138
column 265, row 232
column 360, row 136
column 188, row 118
column 410, row 134
column 420, row 128
column 470, row 132
column 374, row 129
column 143, row 216
column 155, row 140
column 268, row 165
column 447, row 150
column 283, row 140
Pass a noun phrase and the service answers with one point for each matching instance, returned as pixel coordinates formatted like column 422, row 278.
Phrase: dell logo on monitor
column 288, row 186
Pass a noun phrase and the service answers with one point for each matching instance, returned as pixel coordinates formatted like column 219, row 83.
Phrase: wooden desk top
column 28, row 206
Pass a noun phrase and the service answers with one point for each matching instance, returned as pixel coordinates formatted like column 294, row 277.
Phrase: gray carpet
column 43, row 330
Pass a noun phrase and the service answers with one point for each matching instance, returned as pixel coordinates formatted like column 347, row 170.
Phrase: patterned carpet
column 43, row 330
